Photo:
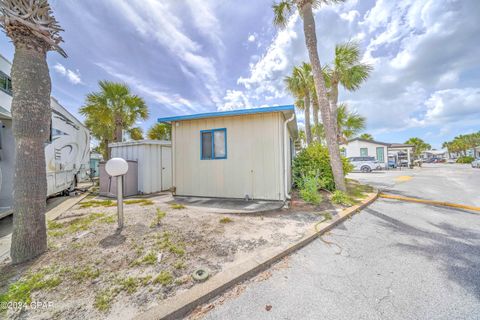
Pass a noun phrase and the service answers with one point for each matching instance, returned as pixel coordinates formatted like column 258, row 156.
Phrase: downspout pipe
column 287, row 195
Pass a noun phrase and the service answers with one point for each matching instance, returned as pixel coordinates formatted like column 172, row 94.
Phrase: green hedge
column 314, row 161
column 465, row 159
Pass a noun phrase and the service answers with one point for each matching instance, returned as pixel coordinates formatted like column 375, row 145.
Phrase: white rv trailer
column 67, row 154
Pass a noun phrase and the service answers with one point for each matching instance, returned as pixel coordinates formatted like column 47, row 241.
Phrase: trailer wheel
column 73, row 185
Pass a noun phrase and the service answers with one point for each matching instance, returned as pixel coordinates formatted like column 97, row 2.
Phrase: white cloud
column 453, row 105
column 265, row 81
column 235, row 99
column 168, row 99
column 72, row 76
column 154, row 20
column 251, row 38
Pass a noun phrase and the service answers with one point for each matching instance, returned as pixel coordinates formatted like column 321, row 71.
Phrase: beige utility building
column 234, row 154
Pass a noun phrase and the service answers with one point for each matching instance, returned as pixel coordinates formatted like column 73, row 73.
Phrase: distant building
column 389, row 154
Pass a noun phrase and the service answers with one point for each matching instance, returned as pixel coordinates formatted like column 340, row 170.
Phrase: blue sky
column 195, row 56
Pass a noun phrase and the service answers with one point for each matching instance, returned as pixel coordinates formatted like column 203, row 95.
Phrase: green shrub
column 340, row 197
column 309, row 191
column 465, row 159
column 314, row 161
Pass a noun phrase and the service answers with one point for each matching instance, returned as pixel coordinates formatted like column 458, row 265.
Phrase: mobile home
column 67, row 152
column 244, row 154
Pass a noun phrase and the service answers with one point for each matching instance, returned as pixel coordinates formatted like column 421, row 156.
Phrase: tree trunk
column 31, row 116
column 334, row 107
column 308, row 127
column 118, row 128
column 315, row 117
column 328, row 121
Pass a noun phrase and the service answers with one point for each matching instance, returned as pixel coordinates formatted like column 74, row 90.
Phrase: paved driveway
column 394, row 260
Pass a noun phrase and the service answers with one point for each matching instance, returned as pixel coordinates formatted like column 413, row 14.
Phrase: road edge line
column 432, row 202
column 182, row 304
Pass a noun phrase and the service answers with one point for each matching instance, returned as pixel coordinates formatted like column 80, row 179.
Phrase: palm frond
column 281, row 12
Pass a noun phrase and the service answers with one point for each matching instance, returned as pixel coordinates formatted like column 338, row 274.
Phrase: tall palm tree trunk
column 334, row 107
column 315, row 117
column 31, row 115
column 328, row 121
column 308, row 127
column 118, row 128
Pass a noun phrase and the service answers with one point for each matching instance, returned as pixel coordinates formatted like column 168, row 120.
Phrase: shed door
column 166, row 168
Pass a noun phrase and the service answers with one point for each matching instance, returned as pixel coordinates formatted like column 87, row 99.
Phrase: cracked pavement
column 393, row 260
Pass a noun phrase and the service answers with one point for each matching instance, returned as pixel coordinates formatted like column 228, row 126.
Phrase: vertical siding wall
column 149, row 158
column 254, row 163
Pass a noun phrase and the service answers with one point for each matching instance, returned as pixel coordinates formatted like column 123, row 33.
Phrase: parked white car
column 365, row 164
column 476, row 163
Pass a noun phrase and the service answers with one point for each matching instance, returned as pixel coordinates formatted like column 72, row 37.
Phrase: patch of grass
column 150, row 258
column 177, row 206
column 145, row 280
column 226, row 220
column 340, row 197
column 103, row 300
column 166, row 243
column 51, row 225
column 179, row 265
column 142, row 202
column 158, row 218
column 163, row 278
column 108, row 219
column 20, row 291
column 84, row 273
column 98, row 203
column 73, row 226
column 357, row 190
column 129, row 284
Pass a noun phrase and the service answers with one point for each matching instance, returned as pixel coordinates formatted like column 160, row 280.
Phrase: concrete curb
column 180, row 305
column 57, row 211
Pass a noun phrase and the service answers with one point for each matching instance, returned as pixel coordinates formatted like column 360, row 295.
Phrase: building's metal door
column 166, row 168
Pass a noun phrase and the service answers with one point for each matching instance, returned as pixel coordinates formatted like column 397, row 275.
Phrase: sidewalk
column 58, row 208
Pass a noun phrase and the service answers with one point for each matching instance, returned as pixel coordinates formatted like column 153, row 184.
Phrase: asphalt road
column 393, row 260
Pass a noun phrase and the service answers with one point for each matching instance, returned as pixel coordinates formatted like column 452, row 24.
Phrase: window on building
column 213, row 144
column 363, row 152
column 5, row 83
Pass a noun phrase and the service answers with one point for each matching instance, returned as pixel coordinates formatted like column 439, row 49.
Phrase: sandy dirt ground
column 91, row 271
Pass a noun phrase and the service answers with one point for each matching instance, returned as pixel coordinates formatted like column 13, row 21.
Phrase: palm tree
column 111, row 111
column 282, row 11
column 349, row 123
column 419, row 144
column 366, row 136
column 447, row 145
column 136, row 133
column 299, row 86
column 160, row 131
column 346, row 70
column 34, row 31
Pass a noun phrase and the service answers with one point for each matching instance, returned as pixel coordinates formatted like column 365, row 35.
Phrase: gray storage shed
column 154, row 158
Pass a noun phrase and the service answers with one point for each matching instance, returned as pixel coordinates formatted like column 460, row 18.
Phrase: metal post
column 120, row 201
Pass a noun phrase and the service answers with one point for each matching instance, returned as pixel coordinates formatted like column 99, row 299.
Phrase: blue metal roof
column 228, row 113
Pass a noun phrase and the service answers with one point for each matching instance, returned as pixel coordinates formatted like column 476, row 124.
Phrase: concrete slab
column 238, row 205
